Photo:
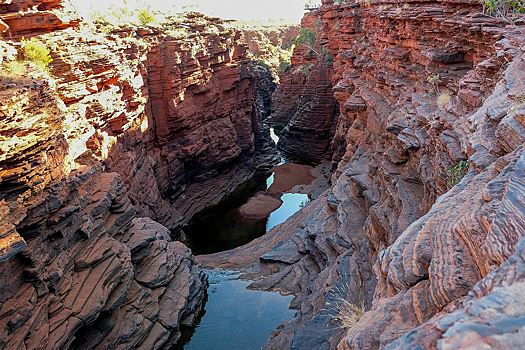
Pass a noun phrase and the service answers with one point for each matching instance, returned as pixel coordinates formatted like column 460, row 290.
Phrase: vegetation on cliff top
column 36, row 51
column 308, row 38
column 270, row 44
column 33, row 52
column 119, row 16
column 145, row 17
column 503, row 8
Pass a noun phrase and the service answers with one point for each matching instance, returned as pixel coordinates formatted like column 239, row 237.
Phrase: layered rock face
column 422, row 222
column 86, row 260
column 134, row 131
column 304, row 102
column 36, row 16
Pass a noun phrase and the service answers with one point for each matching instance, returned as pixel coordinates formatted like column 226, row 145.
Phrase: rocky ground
column 419, row 107
column 423, row 221
column 104, row 157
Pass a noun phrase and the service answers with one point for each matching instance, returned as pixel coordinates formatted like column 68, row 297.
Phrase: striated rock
column 29, row 17
column 425, row 211
column 308, row 134
column 304, row 103
column 76, row 276
column 101, row 164
column 103, row 161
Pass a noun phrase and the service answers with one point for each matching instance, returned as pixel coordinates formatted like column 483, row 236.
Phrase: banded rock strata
column 135, row 130
column 422, row 87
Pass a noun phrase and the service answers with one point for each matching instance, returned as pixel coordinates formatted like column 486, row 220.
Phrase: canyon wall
column 422, row 227
column 304, row 103
column 103, row 159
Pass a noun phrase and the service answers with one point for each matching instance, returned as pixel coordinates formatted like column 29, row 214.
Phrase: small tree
column 307, row 38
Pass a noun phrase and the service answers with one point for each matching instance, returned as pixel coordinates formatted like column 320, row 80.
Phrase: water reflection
column 292, row 203
column 237, row 318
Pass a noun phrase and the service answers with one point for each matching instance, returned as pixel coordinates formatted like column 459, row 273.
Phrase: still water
column 237, row 318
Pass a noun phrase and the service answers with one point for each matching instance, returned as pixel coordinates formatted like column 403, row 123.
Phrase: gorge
column 124, row 161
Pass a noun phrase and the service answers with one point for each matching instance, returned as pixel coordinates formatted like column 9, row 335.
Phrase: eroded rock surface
column 102, row 161
column 422, row 222
column 304, row 102
column 421, row 111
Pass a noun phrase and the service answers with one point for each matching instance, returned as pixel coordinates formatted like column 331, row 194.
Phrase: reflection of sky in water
column 269, row 181
column 292, row 203
column 274, row 136
column 237, row 318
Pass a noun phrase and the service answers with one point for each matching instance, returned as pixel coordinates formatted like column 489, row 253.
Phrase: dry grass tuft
column 344, row 314
column 443, row 99
column 349, row 314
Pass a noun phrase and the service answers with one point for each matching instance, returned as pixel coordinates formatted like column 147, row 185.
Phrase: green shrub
column 306, row 37
column 15, row 68
column 145, row 17
column 36, row 51
column 503, row 8
column 457, row 172
column 327, row 58
column 284, row 66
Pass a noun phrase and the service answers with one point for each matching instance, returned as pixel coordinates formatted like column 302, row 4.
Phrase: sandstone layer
column 260, row 206
column 304, row 103
column 423, row 223
column 103, row 159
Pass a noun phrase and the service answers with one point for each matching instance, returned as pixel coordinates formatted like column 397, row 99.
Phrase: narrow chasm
column 233, row 309
column 172, row 178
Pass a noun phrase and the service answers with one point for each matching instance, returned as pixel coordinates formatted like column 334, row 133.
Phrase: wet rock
column 289, row 175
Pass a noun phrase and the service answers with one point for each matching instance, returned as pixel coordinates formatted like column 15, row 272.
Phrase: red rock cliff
column 304, row 103
column 134, row 131
column 423, row 224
